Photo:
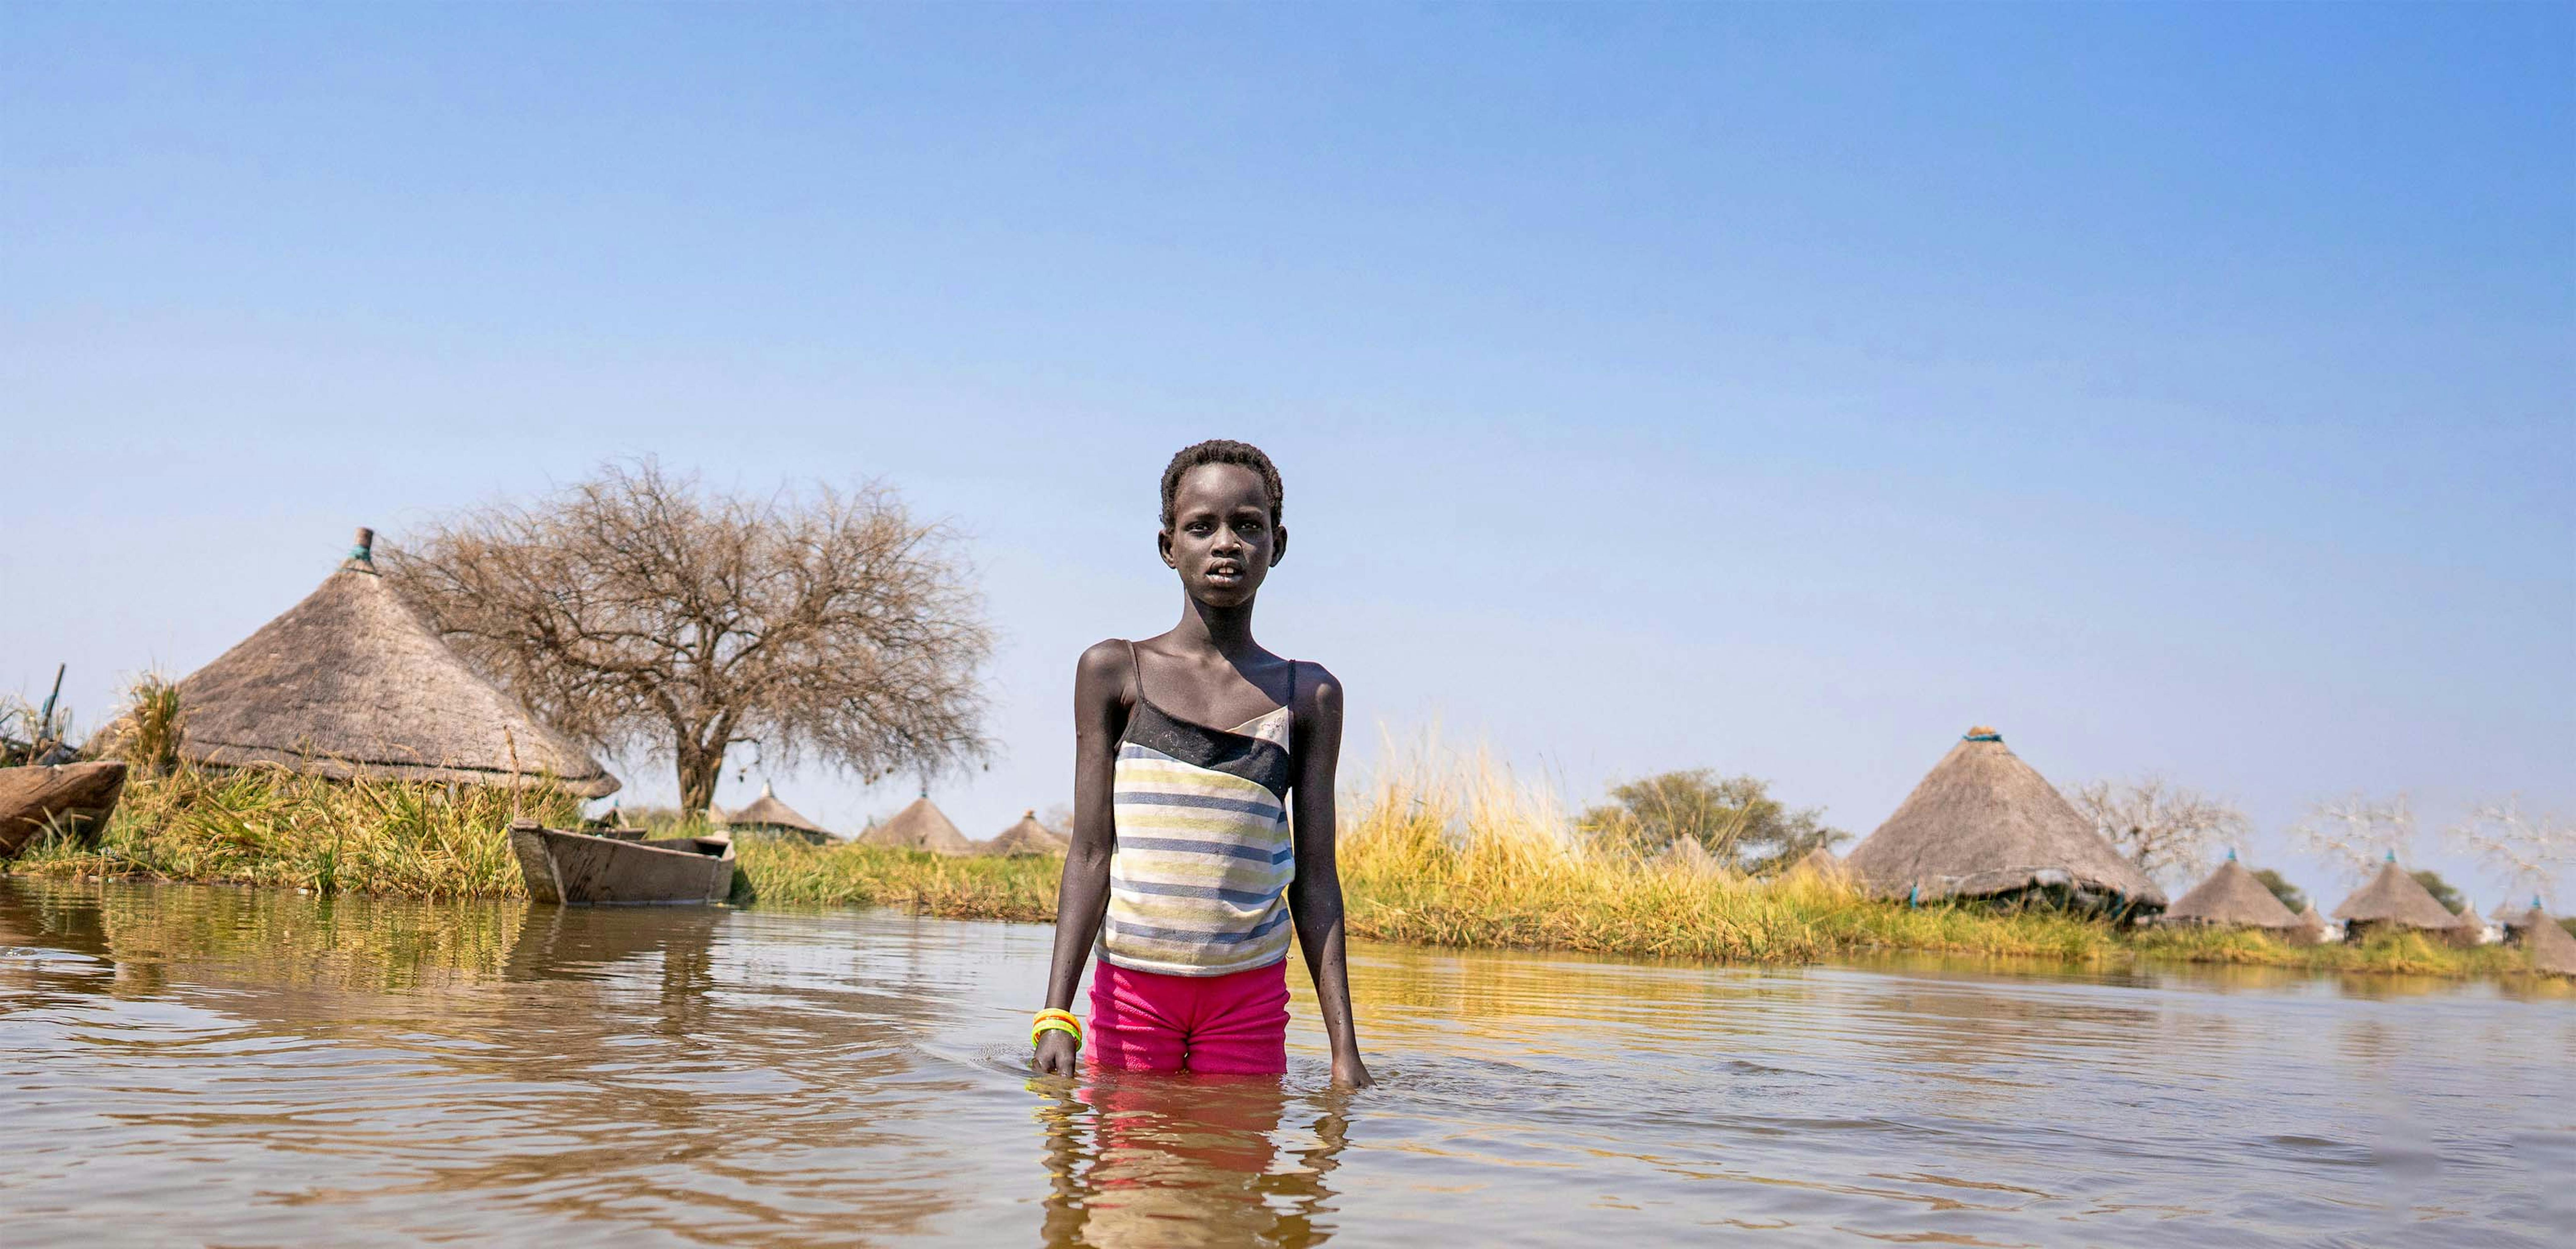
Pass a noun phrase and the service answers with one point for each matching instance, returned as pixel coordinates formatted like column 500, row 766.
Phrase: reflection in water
column 305, row 1068
column 1147, row 1161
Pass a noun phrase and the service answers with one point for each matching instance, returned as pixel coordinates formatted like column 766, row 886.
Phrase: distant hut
column 2470, row 928
column 1028, row 837
column 1818, row 864
column 2393, row 899
column 920, row 826
column 2551, row 948
column 2233, row 898
column 1985, row 824
column 349, row 683
column 1688, row 857
column 2313, row 928
column 769, row 817
column 2510, row 918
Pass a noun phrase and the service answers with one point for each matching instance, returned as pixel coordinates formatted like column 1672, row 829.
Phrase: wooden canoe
column 586, row 869
column 74, row 796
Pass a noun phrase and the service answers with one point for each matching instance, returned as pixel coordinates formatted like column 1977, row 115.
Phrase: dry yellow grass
column 1440, row 849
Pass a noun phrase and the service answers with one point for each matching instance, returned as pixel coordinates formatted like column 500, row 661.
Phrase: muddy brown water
column 186, row 1065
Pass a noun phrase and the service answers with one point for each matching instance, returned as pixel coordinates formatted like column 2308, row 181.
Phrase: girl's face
column 1221, row 540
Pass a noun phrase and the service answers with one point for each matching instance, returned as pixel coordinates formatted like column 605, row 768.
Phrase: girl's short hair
column 1220, row 451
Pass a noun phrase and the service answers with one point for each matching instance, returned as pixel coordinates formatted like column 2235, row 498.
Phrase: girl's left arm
column 1315, row 897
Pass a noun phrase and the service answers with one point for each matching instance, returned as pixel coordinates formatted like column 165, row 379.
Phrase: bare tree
column 2355, row 832
column 2530, row 850
column 2169, row 831
column 660, row 620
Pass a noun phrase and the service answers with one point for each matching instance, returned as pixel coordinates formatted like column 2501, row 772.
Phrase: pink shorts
column 1234, row 1024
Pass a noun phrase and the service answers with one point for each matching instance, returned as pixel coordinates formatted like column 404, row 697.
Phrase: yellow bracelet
column 1057, row 1022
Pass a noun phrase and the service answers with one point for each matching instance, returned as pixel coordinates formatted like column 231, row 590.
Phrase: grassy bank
column 1458, row 855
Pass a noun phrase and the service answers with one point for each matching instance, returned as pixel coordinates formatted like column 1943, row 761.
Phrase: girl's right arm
column 1099, row 720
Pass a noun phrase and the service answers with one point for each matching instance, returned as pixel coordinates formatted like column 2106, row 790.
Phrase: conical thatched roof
column 767, row 812
column 2312, row 926
column 1687, row 856
column 2472, row 927
column 2509, row 912
column 2393, row 897
column 1983, row 822
column 1027, row 837
column 349, row 683
column 1819, row 862
column 920, row 826
column 2552, row 949
column 2234, row 897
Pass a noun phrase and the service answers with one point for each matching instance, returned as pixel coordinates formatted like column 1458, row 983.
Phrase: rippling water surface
column 184, row 1065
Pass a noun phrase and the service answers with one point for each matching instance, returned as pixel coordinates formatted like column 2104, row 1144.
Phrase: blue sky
column 1780, row 389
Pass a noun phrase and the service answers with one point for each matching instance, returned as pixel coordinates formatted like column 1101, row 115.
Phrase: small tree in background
column 2441, row 889
column 1734, row 818
column 2530, row 850
column 2290, row 895
column 648, row 615
column 2171, row 832
column 2356, row 832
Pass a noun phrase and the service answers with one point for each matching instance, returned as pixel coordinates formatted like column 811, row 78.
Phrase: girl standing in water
column 1187, row 868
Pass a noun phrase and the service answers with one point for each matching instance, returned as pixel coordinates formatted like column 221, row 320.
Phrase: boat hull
column 584, row 869
column 77, row 796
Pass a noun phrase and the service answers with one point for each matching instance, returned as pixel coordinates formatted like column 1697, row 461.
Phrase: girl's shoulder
column 1107, row 666
column 1317, row 690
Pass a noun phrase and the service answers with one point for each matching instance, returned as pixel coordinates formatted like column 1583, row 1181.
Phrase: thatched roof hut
column 2312, row 928
column 2551, row 948
column 2232, row 897
column 767, row 814
column 349, row 683
column 1819, row 863
column 2468, row 927
column 920, row 826
column 1027, row 836
column 2511, row 918
column 2393, row 898
column 1690, row 858
column 1984, row 823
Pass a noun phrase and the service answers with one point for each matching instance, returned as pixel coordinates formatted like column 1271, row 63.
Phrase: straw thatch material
column 1688, row 857
column 1820, row 863
column 2511, row 918
column 2550, row 946
column 2233, row 897
column 1028, row 837
column 2393, row 898
column 767, row 814
column 2467, row 927
column 920, row 826
column 1984, row 823
column 348, row 683
column 2312, row 929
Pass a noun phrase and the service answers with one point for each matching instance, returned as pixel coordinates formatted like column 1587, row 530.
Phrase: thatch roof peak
column 767, row 811
column 2551, row 948
column 350, row 683
column 1984, row 822
column 2393, row 897
column 1027, row 836
column 919, row 826
column 2233, row 896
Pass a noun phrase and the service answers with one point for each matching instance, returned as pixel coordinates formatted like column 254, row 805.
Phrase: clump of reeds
column 1450, row 849
column 784, row 872
column 148, row 734
column 267, row 826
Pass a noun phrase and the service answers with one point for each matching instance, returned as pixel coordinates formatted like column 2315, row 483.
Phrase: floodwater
column 185, row 1065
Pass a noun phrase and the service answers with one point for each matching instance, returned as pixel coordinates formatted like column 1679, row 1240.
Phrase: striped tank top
column 1198, row 885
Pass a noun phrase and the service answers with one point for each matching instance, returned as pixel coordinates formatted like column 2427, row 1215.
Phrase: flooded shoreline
column 301, row 1067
